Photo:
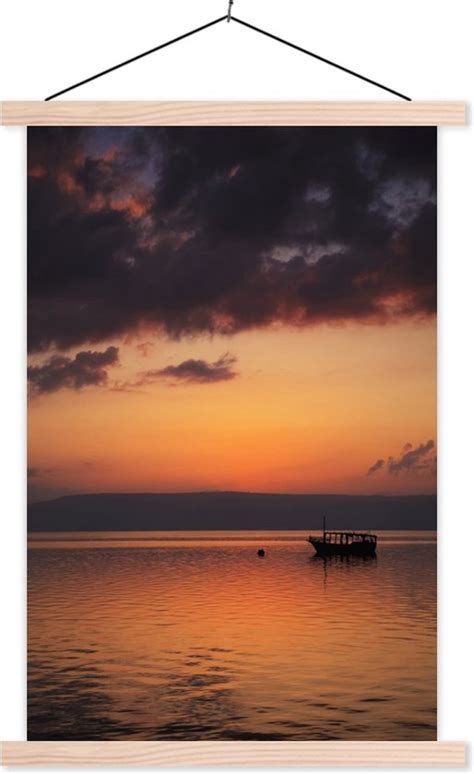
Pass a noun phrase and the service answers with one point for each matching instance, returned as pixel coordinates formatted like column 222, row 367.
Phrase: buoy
column 261, row 552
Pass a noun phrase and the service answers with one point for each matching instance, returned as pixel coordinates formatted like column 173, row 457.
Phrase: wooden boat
column 344, row 543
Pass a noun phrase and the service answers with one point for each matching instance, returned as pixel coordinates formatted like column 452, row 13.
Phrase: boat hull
column 333, row 549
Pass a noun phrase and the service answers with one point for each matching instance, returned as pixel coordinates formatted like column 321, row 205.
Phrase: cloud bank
column 188, row 231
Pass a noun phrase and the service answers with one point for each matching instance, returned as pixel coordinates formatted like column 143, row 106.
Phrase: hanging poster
column 232, row 433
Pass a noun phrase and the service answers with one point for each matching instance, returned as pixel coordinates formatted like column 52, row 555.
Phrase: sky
column 231, row 308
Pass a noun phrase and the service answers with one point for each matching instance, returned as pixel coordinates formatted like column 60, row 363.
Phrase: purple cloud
column 195, row 371
column 85, row 369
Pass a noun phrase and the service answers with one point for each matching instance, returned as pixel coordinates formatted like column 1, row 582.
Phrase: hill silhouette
column 231, row 510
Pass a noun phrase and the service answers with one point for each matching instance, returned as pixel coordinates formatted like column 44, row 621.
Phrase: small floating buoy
column 261, row 552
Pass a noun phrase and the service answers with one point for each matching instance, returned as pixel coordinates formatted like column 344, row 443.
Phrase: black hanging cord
column 134, row 58
column 321, row 58
column 229, row 18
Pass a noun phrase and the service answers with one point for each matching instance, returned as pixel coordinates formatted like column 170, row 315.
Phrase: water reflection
column 338, row 563
column 192, row 638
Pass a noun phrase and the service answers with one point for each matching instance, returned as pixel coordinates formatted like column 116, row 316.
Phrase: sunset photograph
column 232, row 455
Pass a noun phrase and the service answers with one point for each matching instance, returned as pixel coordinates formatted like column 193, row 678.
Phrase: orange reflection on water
column 156, row 636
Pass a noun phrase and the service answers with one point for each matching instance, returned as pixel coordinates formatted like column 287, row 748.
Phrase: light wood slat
column 383, row 113
column 395, row 754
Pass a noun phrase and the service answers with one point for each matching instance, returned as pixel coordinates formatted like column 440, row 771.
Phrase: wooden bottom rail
column 393, row 754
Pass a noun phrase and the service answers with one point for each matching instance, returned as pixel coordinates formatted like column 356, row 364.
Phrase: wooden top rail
column 236, row 113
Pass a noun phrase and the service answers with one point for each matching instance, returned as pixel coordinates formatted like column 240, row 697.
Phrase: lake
column 191, row 635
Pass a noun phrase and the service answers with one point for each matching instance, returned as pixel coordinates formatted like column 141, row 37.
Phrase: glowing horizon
column 273, row 430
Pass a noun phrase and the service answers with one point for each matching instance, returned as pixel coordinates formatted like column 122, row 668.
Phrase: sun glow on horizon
column 308, row 410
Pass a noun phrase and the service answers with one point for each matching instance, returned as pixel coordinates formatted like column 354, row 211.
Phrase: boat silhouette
column 336, row 543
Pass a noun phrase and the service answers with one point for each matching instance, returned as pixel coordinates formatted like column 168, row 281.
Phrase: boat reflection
column 335, row 565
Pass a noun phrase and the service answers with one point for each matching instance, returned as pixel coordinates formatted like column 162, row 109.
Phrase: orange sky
column 309, row 411
column 233, row 308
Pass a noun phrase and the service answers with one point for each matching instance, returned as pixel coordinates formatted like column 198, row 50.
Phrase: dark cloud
column 221, row 229
column 85, row 369
column 419, row 459
column 378, row 465
column 195, row 371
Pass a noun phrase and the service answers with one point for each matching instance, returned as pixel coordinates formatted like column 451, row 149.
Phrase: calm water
column 192, row 636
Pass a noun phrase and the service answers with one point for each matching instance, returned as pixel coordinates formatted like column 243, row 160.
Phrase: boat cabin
column 348, row 538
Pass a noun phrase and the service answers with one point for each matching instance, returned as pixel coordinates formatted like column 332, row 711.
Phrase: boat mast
column 324, row 529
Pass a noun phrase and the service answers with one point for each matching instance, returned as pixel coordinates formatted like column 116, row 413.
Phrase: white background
column 422, row 48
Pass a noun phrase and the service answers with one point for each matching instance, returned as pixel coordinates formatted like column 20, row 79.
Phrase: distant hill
column 231, row 510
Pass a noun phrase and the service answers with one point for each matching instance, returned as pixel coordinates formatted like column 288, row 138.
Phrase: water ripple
column 194, row 637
